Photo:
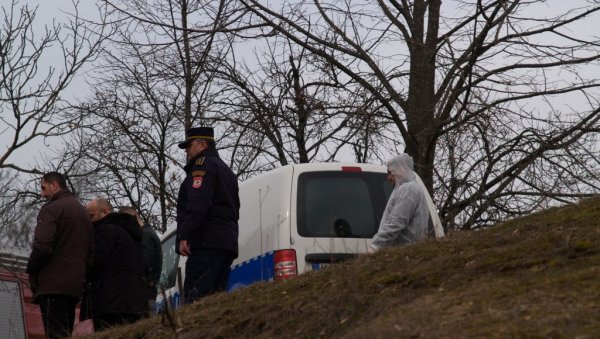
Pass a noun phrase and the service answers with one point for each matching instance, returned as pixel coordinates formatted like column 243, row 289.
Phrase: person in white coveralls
column 406, row 218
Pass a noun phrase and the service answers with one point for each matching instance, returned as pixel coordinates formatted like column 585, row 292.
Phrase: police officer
column 207, row 216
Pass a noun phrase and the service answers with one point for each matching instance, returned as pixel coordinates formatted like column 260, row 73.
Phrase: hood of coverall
column 401, row 167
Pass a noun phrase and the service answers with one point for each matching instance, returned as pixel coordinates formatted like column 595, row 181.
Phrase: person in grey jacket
column 152, row 254
column 406, row 218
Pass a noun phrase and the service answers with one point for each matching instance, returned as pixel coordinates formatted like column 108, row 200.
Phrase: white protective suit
column 406, row 218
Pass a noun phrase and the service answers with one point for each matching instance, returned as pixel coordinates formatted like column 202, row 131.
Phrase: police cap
column 206, row 133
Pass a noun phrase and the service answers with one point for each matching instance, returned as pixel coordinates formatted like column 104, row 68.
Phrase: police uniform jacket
column 208, row 204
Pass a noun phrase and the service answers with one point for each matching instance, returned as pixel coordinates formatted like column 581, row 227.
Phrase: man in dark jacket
column 207, row 216
column 62, row 249
column 118, row 290
column 152, row 252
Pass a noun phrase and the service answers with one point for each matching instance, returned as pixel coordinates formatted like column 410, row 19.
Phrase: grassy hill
column 537, row 276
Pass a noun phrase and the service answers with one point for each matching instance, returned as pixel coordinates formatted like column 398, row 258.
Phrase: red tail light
column 285, row 264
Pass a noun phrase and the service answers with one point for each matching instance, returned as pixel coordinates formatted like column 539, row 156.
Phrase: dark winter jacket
column 62, row 247
column 117, row 277
column 152, row 259
column 208, row 204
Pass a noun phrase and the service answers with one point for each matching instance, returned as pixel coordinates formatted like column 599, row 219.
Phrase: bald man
column 117, row 277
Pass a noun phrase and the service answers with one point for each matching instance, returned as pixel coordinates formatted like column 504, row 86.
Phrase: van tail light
column 285, row 264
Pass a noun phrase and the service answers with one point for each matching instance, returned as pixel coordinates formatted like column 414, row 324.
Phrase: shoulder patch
column 200, row 161
column 197, row 182
column 198, row 173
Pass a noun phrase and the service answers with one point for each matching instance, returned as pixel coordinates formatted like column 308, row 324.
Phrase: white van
column 298, row 218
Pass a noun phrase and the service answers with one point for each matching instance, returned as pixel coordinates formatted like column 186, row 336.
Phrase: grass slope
column 537, row 276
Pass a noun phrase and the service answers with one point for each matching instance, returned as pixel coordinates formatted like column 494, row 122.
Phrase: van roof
column 321, row 166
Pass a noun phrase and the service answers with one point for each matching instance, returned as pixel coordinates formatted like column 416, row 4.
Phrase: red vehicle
column 19, row 317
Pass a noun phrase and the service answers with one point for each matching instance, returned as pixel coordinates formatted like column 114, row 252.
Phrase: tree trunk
column 421, row 93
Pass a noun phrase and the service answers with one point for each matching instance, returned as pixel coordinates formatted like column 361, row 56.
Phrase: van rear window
column 341, row 204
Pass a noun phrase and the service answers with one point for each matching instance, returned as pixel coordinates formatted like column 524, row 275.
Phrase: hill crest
column 535, row 276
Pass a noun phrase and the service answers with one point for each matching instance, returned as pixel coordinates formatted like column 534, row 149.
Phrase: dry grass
column 537, row 276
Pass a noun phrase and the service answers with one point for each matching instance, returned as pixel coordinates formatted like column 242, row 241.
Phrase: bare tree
column 31, row 107
column 149, row 87
column 279, row 116
column 15, row 211
column 474, row 89
column 36, row 69
column 186, row 33
column 122, row 151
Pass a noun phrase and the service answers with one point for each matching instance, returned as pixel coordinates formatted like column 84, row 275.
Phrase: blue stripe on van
column 250, row 271
column 174, row 303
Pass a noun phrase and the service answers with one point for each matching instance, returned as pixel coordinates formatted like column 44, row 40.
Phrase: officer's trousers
column 206, row 272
